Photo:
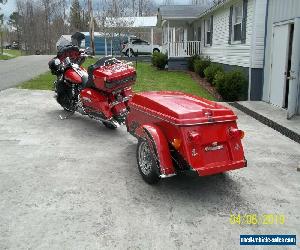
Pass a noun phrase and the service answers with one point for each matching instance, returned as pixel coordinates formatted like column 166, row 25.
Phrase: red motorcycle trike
column 102, row 92
column 178, row 132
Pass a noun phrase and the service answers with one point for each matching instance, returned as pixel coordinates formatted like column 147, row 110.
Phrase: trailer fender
column 161, row 149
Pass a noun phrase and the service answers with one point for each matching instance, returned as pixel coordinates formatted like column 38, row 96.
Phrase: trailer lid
column 181, row 108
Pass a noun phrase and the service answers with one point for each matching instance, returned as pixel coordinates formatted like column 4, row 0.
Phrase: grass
column 45, row 81
column 13, row 52
column 148, row 79
column 5, row 57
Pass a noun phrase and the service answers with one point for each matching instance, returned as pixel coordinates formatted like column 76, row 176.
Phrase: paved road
column 73, row 184
column 20, row 69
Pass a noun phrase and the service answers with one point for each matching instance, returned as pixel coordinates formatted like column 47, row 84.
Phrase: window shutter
column 211, row 29
column 244, row 22
column 230, row 24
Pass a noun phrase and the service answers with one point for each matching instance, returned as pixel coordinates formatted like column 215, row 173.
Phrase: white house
column 230, row 32
column 260, row 37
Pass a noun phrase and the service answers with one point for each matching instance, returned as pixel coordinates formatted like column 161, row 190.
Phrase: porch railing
column 183, row 49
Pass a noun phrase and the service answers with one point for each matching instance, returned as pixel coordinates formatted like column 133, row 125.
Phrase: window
column 237, row 19
column 207, row 32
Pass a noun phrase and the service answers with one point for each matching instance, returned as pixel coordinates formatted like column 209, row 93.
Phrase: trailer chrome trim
column 177, row 124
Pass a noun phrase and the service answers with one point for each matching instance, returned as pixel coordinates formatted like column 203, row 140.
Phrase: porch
column 182, row 49
column 178, row 39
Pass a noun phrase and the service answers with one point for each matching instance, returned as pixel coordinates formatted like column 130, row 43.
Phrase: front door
column 294, row 81
column 279, row 64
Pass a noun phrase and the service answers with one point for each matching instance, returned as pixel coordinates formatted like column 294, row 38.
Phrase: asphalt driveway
column 22, row 68
column 73, row 184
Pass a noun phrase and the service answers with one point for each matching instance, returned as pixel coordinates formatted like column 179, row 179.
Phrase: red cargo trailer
column 178, row 132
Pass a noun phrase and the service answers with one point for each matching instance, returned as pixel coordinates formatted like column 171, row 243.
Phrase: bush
column 159, row 60
column 230, row 85
column 201, row 64
column 211, row 71
column 191, row 62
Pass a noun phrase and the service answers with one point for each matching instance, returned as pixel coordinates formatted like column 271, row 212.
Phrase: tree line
column 37, row 24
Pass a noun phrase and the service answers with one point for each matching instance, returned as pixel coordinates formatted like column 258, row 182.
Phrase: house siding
column 221, row 51
column 278, row 11
column 258, row 36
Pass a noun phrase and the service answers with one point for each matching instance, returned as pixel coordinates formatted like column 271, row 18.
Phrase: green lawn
column 148, row 78
column 13, row 53
column 5, row 57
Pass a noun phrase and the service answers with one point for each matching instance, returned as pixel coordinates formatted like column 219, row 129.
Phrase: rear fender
column 160, row 147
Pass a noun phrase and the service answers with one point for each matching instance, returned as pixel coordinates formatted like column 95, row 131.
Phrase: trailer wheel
column 146, row 161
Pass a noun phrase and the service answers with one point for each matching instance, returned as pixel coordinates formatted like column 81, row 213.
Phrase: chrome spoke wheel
column 145, row 160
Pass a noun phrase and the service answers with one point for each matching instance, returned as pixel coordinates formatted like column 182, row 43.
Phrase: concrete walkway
column 73, row 184
column 271, row 116
column 274, row 113
column 22, row 68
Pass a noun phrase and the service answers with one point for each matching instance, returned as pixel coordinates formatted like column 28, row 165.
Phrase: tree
column 91, row 26
column 2, row 26
column 15, row 23
column 75, row 16
column 1, row 31
column 79, row 18
column 168, row 2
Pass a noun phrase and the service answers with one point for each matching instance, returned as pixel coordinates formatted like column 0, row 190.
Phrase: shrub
column 230, row 85
column 159, row 60
column 211, row 71
column 191, row 62
column 201, row 64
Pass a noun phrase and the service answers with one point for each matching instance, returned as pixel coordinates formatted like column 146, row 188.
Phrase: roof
column 214, row 6
column 95, row 33
column 131, row 22
column 180, row 11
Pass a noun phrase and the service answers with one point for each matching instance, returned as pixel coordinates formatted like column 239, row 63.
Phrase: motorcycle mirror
column 88, row 51
column 67, row 61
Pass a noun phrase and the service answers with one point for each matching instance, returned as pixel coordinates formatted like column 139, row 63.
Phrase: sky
column 10, row 6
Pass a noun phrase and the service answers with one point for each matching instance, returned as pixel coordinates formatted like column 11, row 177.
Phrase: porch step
column 180, row 63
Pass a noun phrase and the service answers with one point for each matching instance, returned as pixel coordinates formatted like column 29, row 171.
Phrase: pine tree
column 75, row 16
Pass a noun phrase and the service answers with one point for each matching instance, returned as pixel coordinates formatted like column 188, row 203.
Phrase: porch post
column 151, row 39
column 105, row 45
column 111, row 46
column 174, row 35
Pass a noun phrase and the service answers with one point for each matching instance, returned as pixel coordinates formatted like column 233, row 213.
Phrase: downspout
column 253, row 38
column 168, row 40
column 265, row 45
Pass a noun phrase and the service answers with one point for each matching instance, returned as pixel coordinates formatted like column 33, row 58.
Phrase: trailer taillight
column 237, row 133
